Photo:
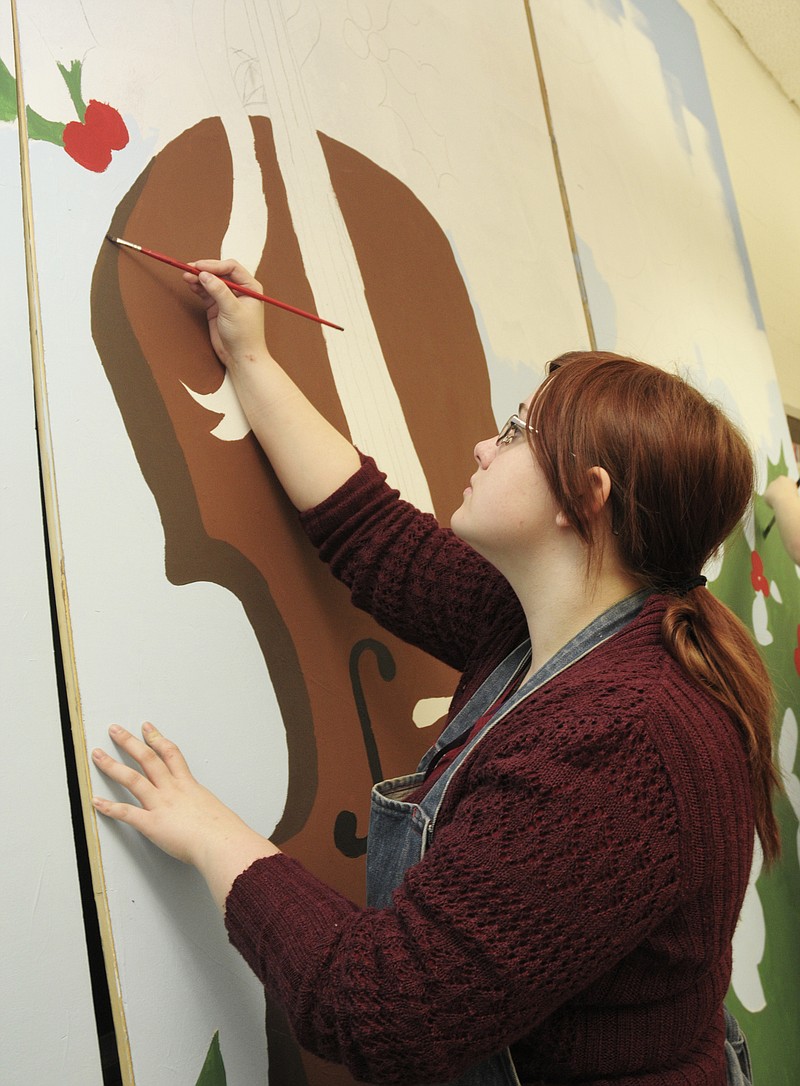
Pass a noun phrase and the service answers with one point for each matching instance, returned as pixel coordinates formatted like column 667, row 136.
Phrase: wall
column 761, row 133
column 172, row 620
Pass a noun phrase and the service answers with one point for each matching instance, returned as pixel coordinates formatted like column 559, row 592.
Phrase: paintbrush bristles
column 121, row 241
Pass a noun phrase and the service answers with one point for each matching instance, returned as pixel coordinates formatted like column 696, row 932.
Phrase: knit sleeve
column 557, row 854
column 417, row 579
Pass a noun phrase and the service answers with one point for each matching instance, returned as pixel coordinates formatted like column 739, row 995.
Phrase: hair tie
column 694, row 582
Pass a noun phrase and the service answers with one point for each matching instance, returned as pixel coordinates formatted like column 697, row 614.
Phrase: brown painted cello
column 347, row 690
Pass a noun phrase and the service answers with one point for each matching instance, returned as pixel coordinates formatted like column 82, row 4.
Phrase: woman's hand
column 309, row 456
column 176, row 813
column 235, row 322
column 782, row 497
column 782, row 489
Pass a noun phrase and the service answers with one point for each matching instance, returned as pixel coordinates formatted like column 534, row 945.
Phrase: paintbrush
column 768, row 528
column 228, row 283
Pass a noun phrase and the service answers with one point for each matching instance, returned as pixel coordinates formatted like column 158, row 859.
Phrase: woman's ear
column 601, row 487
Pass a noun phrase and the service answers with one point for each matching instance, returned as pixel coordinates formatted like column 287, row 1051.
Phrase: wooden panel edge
column 56, row 560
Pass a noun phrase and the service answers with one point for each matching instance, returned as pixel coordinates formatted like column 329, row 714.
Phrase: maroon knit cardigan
column 590, row 860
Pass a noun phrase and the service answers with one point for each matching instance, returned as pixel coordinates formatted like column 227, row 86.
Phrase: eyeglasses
column 514, row 426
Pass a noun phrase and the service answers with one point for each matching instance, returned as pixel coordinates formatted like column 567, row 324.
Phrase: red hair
column 682, row 478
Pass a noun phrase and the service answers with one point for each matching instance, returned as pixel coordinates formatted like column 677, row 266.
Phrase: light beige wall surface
column 761, row 134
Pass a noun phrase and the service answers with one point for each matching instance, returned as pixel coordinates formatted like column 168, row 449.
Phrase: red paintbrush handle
column 228, row 283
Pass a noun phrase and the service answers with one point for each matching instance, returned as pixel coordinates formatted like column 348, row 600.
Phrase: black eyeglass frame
column 513, row 426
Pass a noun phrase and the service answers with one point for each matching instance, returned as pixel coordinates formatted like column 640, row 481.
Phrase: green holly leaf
column 213, row 1072
column 72, row 77
column 39, row 128
column 8, row 94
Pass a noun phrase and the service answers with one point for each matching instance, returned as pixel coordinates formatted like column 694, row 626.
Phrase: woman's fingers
column 177, row 813
column 139, row 786
column 159, row 758
column 235, row 321
column 166, row 751
column 165, row 790
column 121, row 812
column 213, row 289
column 153, row 766
column 228, row 269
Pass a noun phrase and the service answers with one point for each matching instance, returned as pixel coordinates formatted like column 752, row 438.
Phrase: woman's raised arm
column 310, row 457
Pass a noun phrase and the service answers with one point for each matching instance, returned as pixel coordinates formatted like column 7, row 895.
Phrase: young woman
column 552, row 894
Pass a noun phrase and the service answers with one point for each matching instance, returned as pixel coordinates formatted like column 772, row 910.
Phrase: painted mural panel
column 387, row 166
column 43, row 948
column 668, row 278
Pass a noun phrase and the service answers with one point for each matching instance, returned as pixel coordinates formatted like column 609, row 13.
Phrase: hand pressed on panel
column 177, row 813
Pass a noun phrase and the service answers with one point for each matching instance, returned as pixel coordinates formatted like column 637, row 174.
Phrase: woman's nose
column 484, row 451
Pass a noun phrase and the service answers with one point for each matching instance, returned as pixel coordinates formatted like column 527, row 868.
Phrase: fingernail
column 114, row 729
column 97, row 754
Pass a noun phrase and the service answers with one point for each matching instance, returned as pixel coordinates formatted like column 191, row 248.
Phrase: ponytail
column 715, row 650
column 682, row 477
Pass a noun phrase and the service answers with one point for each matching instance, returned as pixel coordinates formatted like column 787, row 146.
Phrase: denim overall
column 400, row 832
column 737, row 1054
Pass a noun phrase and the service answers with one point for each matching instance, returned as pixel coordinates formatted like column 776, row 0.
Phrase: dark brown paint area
column 346, row 689
column 423, row 317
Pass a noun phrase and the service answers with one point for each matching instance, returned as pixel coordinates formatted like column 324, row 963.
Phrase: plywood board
column 389, row 167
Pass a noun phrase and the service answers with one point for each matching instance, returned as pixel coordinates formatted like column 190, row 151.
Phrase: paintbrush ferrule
column 128, row 244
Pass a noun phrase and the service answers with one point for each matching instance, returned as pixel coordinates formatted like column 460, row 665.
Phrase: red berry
column 757, row 578
column 92, row 142
column 81, row 143
column 105, row 120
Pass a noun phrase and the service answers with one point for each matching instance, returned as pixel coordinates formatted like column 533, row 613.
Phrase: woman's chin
column 460, row 523
column 456, row 520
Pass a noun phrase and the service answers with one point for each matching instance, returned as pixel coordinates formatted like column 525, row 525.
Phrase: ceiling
column 771, row 30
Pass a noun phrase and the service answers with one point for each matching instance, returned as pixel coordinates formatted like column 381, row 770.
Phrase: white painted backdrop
column 446, row 98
